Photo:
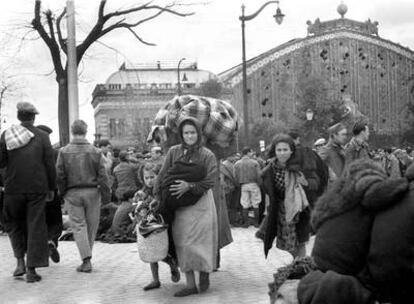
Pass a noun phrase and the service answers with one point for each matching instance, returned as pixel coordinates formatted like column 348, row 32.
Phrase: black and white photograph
column 207, row 151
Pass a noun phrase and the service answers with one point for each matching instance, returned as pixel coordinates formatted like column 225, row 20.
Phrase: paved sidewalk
column 119, row 276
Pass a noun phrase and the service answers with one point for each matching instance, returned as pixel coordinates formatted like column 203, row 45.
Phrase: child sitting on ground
column 143, row 212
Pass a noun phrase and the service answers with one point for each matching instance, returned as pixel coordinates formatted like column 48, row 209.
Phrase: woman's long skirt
column 195, row 235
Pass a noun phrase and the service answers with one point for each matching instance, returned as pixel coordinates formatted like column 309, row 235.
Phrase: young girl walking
column 143, row 199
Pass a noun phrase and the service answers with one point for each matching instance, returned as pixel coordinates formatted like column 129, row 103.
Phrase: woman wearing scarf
column 194, row 227
column 290, row 184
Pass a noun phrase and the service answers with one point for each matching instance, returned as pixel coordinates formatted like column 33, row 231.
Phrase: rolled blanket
column 180, row 170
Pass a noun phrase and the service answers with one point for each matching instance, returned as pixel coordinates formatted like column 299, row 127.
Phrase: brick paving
column 119, row 276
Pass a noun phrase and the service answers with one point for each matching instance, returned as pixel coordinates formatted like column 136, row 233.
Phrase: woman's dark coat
column 343, row 218
column 389, row 271
column 299, row 162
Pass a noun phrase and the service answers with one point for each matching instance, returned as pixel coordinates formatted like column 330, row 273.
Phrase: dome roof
column 157, row 76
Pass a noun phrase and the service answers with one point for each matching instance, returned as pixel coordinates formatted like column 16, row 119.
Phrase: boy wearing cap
column 30, row 175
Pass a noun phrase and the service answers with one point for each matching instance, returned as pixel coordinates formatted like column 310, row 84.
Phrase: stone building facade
column 349, row 55
column 125, row 105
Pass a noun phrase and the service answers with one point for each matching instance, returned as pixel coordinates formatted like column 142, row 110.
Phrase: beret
column 26, row 107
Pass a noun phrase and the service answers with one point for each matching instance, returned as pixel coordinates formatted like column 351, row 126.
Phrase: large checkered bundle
column 217, row 118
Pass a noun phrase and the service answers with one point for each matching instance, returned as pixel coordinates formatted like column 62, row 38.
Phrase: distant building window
column 164, row 85
column 189, row 85
column 117, row 128
column 115, row 86
column 153, row 88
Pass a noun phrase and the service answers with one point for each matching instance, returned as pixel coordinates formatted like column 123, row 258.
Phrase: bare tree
column 49, row 28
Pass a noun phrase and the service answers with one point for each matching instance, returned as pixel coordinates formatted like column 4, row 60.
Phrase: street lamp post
column 243, row 18
column 178, row 77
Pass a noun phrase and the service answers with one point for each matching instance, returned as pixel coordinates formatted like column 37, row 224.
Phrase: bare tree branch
column 139, row 38
column 125, row 12
column 53, row 47
column 62, row 41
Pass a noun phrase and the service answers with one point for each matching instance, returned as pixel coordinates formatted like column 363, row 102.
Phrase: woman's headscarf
column 193, row 122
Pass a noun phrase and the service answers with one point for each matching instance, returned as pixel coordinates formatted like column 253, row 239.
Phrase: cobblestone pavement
column 119, row 276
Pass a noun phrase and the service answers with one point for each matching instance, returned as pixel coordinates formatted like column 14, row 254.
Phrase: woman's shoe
column 32, row 276
column 175, row 274
column 20, row 269
column 186, row 292
column 204, row 281
column 152, row 285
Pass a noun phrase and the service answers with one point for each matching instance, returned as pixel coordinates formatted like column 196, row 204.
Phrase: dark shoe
column 259, row 235
column 85, row 267
column 54, row 253
column 32, row 276
column 20, row 268
column 186, row 292
column 152, row 285
column 204, row 281
column 175, row 274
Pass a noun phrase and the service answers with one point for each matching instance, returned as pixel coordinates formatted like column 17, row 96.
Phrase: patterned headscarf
column 190, row 149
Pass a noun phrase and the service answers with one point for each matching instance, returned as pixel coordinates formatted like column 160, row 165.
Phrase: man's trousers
column 83, row 206
column 25, row 221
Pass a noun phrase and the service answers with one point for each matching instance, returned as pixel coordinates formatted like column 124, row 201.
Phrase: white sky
column 212, row 36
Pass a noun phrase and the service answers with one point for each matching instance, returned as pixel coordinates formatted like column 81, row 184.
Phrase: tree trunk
column 63, row 111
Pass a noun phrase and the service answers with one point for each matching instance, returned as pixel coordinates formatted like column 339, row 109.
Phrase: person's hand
column 302, row 180
column 50, row 195
column 179, row 188
column 155, row 204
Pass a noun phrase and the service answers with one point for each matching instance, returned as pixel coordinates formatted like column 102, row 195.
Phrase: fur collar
column 364, row 184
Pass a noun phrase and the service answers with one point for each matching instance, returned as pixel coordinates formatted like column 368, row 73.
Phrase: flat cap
column 320, row 142
column 26, row 107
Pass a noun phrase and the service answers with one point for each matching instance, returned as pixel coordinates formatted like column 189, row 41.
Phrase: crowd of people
column 340, row 191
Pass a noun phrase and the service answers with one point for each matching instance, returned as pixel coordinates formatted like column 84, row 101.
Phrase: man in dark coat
column 333, row 153
column 53, row 213
column 357, row 147
column 30, row 175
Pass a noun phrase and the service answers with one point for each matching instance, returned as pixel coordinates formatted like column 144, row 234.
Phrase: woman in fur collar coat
column 357, row 234
column 344, row 215
column 288, row 216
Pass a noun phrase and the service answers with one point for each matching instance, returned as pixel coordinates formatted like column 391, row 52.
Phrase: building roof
column 317, row 32
column 158, row 73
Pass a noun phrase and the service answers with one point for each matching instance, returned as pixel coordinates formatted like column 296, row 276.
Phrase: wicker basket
column 153, row 248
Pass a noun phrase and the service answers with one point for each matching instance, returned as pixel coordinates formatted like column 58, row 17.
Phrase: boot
column 32, row 276
column 86, row 266
column 53, row 252
column 245, row 215
column 256, row 217
column 20, row 268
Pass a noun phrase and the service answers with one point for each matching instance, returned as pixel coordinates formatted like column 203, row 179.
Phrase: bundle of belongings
column 217, row 118
column 364, row 245
column 180, row 170
column 147, row 220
